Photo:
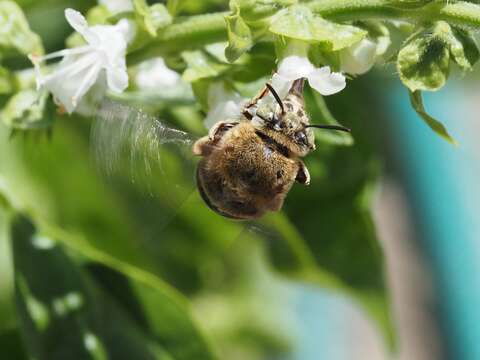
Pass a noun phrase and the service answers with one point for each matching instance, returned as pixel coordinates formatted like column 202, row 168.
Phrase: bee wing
column 156, row 158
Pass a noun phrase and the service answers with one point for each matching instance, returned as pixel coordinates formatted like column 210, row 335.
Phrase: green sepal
column 7, row 302
column 151, row 18
column 16, row 34
column 417, row 104
column 319, row 57
column 160, row 17
column 201, row 65
column 424, row 62
column 6, row 81
column 98, row 15
column 173, row 6
column 255, row 10
column 313, row 28
column 378, row 33
column 25, row 110
column 463, row 49
column 410, row 4
column 239, row 36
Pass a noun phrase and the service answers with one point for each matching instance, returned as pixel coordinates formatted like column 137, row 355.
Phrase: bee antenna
column 329, row 127
column 275, row 95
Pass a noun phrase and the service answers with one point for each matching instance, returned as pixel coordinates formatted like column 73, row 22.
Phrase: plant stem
column 185, row 34
column 463, row 14
column 348, row 10
column 196, row 31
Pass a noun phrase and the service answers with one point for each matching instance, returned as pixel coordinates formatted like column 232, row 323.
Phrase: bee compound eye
column 301, row 138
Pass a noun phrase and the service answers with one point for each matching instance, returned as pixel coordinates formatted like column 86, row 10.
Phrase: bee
column 249, row 165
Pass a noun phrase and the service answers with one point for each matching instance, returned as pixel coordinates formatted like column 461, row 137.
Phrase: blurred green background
column 103, row 267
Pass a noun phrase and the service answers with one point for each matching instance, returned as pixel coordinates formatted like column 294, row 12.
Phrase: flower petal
column 64, row 82
column 295, row 67
column 117, row 79
column 127, row 28
column 154, row 74
column 217, row 93
column 88, row 105
column 281, row 85
column 223, row 111
column 80, row 25
column 117, row 6
column 223, row 104
column 326, row 82
column 358, row 58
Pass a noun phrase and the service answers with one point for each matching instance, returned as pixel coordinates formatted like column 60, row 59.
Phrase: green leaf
column 201, row 65
column 410, row 4
column 463, row 48
column 173, row 6
column 25, row 110
column 68, row 316
column 98, row 15
column 16, row 34
column 424, row 62
column 239, row 36
column 200, row 91
column 255, row 67
column 160, row 16
column 6, row 81
column 254, row 10
column 299, row 22
column 417, row 103
column 174, row 332
column 115, row 231
column 152, row 18
column 320, row 57
column 141, row 10
column 7, row 305
column 169, row 314
column 379, row 34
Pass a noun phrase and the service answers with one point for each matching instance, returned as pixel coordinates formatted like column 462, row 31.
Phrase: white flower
column 82, row 66
column 358, row 58
column 223, row 105
column 117, row 6
column 154, row 74
column 295, row 67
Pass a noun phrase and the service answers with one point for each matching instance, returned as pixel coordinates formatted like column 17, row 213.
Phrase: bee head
column 289, row 119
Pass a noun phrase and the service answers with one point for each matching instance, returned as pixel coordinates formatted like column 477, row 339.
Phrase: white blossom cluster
column 85, row 73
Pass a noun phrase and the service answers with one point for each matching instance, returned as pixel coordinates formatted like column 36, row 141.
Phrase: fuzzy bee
column 247, row 166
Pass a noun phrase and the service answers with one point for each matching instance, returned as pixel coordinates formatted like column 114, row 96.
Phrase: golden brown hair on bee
column 249, row 165
column 244, row 174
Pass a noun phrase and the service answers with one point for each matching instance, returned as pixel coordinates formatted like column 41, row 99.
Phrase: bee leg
column 220, row 128
column 259, row 96
column 202, row 146
column 303, row 176
column 253, row 102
